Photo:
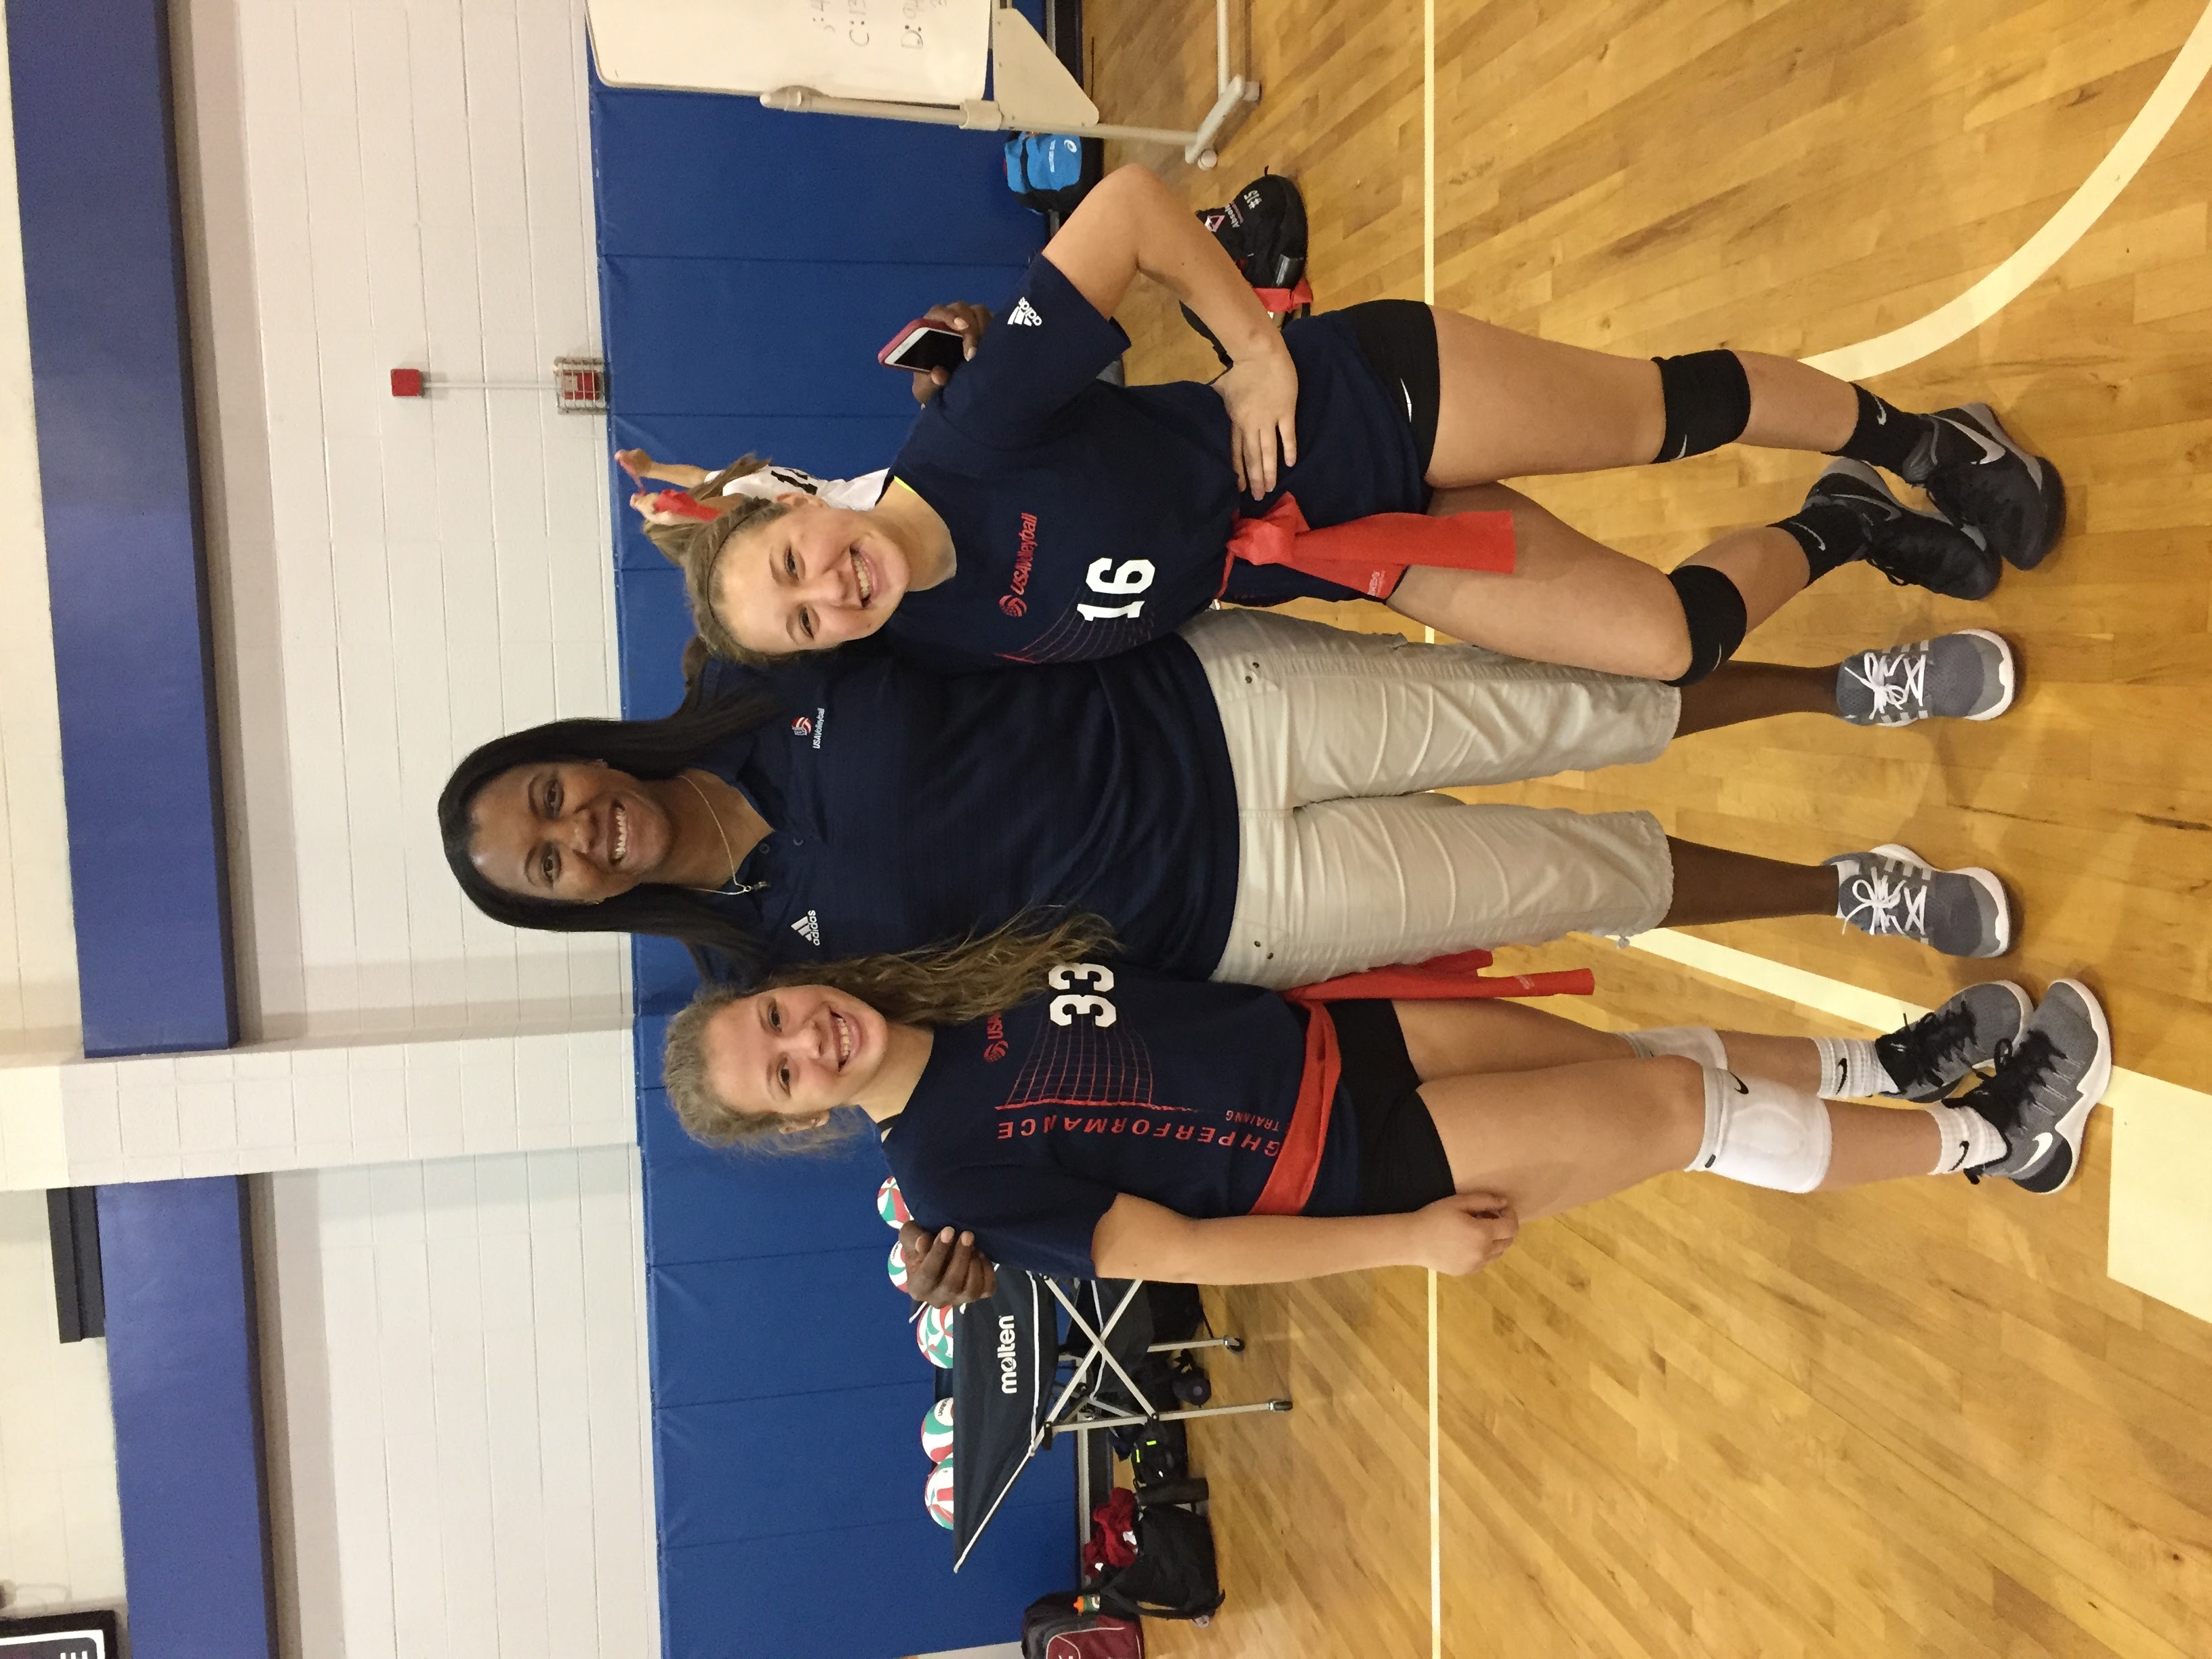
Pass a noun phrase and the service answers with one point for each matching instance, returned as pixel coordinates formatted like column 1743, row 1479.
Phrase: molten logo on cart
column 1006, row 1368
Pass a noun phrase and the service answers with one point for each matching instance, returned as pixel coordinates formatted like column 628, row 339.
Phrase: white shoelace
column 1898, row 681
column 1890, row 905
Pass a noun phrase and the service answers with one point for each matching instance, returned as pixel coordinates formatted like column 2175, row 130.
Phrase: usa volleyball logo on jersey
column 802, row 727
column 1012, row 601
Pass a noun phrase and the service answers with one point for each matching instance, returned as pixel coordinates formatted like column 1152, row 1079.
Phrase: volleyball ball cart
column 1010, row 1402
column 893, row 60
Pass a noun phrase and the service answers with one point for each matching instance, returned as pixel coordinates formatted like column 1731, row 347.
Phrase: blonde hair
column 695, row 546
column 941, row 985
column 702, row 561
column 674, row 540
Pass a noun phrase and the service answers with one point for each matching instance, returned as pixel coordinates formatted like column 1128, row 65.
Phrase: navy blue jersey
column 1087, row 519
column 1026, row 1125
column 910, row 808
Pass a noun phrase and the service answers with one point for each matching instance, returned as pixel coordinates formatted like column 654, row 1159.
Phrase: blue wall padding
column 783, row 349
column 705, row 1204
column 711, row 1594
column 112, row 390
column 783, row 1294
column 181, row 1377
column 751, row 263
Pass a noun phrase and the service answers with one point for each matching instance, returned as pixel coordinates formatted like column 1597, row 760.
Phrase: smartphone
column 922, row 345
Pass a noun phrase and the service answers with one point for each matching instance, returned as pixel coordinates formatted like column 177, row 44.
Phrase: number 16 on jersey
column 1130, row 576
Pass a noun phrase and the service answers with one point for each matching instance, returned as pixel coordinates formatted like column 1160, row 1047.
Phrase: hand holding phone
column 923, row 345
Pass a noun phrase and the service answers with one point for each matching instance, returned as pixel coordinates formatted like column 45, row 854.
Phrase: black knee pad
column 1708, row 399
column 1714, row 610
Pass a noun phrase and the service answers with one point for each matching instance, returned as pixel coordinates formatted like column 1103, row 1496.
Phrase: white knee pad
column 1764, row 1134
column 1699, row 1042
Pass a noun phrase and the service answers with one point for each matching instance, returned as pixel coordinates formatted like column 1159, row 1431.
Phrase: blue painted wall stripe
column 111, row 381
column 182, row 1376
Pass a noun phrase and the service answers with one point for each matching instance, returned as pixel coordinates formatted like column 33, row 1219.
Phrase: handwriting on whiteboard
column 932, row 51
column 906, row 22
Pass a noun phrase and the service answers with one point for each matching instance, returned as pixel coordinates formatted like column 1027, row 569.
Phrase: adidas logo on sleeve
column 808, row 928
column 1024, row 315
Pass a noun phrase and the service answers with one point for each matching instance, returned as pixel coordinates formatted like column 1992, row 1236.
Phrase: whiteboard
column 914, row 51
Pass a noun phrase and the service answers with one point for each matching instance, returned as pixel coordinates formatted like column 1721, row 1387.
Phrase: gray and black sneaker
column 2042, row 1092
column 1892, row 891
column 1967, row 676
column 1977, row 1027
column 1983, row 479
column 1912, row 548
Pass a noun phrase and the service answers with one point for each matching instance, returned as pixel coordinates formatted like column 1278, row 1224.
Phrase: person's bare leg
column 1738, row 692
column 1568, row 599
column 1568, row 1135
column 1454, row 1037
column 1879, row 1143
column 1513, row 406
column 1796, row 406
column 1551, row 1139
column 1713, row 885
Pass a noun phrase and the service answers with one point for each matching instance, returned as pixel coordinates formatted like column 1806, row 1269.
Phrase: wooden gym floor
column 1701, row 1419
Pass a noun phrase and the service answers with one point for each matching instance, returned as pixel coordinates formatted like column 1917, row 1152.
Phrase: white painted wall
column 38, row 949
column 371, row 183
column 456, row 1344
column 61, row 1538
column 454, row 1362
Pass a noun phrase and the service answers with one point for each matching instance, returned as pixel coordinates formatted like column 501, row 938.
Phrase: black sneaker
column 1981, row 478
column 1976, row 1028
column 1912, row 549
column 2043, row 1091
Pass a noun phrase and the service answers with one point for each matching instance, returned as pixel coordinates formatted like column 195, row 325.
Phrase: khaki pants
column 1344, row 863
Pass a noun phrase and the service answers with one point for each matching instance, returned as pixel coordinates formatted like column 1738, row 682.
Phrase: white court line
column 2140, row 1255
column 1987, row 297
column 2131, row 1091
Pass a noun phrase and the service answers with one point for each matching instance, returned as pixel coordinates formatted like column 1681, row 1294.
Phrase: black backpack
column 1173, row 1576
column 1263, row 229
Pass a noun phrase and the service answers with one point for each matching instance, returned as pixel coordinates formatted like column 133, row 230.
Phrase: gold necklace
column 728, row 853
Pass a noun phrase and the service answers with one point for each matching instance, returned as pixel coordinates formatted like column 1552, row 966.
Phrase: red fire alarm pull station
column 578, row 385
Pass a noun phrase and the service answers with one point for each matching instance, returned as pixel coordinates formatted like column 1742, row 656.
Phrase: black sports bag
column 1263, row 229
column 1173, row 1576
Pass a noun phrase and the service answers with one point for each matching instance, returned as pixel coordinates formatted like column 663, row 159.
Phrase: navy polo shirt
column 1088, row 518
column 1025, row 1126
column 912, row 808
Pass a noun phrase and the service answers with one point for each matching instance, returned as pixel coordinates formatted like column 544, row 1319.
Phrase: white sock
column 1970, row 1139
column 1850, row 1069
